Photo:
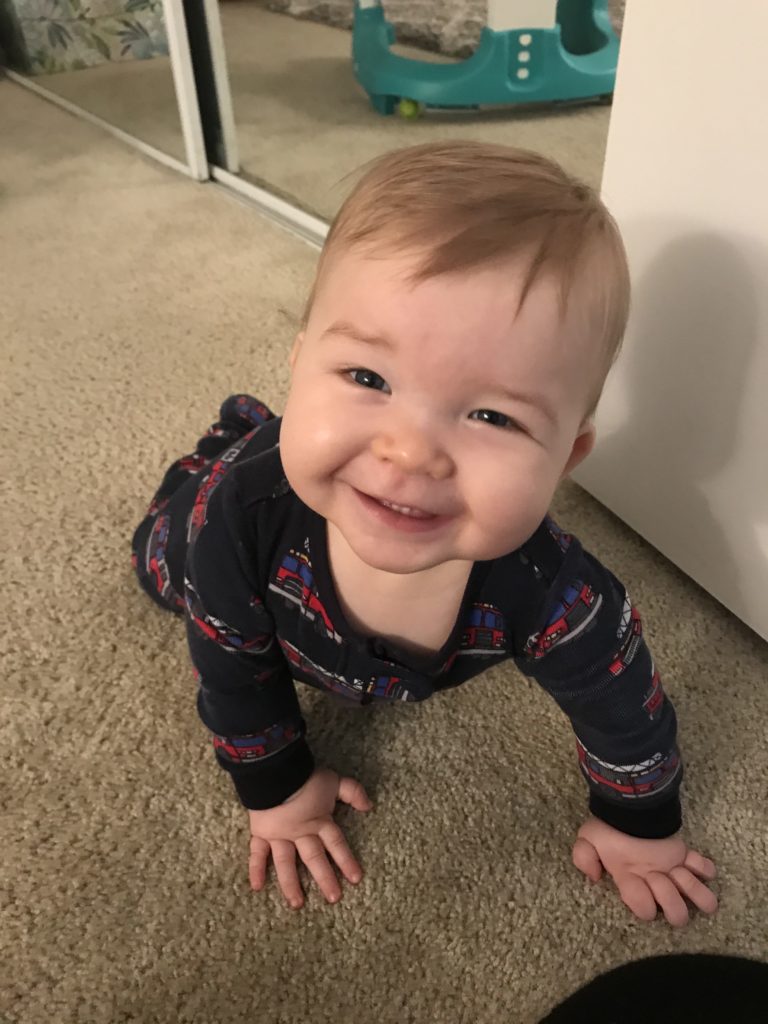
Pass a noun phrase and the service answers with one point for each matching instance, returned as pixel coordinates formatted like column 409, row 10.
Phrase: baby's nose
column 413, row 451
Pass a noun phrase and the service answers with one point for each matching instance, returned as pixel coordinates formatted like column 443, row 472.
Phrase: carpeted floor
column 302, row 121
column 133, row 301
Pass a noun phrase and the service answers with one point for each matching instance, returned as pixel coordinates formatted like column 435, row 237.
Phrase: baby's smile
column 399, row 517
column 405, row 510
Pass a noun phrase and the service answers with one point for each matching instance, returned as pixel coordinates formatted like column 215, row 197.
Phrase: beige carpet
column 133, row 301
column 302, row 121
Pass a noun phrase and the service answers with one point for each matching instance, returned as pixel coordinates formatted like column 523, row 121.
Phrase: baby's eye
column 368, row 379
column 495, row 419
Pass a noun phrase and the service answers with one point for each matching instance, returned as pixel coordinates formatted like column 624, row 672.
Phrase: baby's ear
column 298, row 341
column 582, row 446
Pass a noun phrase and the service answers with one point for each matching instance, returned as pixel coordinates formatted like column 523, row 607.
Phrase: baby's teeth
column 405, row 510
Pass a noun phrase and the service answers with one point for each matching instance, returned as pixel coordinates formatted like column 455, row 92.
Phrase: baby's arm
column 248, row 700
column 588, row 652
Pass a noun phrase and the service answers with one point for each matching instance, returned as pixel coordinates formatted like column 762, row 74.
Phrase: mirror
column 303, row 120
column 108, row 57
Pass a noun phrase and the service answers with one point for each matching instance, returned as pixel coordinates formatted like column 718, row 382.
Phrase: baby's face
column 442, row 399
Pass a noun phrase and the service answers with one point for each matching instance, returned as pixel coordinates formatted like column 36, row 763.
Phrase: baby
column 387, row 538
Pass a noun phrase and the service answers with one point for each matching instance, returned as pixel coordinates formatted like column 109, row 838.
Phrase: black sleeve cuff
column 261, row 786
column 656, row 822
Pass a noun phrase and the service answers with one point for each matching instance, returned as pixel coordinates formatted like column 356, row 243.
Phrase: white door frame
column 184, row 85
column 221, row 80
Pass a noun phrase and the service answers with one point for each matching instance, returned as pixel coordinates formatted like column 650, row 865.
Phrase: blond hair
column 463, row 204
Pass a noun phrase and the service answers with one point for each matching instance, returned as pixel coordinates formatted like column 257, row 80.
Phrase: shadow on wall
column 697, row 323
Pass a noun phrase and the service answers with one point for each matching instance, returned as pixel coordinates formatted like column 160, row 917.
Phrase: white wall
column 684, row 452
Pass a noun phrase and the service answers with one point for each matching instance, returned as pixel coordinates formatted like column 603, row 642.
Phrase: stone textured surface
column 449, row 26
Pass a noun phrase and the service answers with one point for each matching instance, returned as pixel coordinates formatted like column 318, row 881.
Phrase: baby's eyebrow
column 348, row 330
column 535, row 401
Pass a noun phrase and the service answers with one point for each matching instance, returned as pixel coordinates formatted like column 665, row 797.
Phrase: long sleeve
column 246, row 695
column 587, row 650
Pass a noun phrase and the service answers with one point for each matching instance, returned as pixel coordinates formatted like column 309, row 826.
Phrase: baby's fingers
column 701, row 866
column 694, row 889
column 312, row 852
column 668, row 897
column 338, row 847
column 637, row 896
column 585, row 858
column 257, row 862
column 352, row 792
column 284, row 859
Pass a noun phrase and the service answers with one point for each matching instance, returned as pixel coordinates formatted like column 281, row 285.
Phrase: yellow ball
column 408, row 109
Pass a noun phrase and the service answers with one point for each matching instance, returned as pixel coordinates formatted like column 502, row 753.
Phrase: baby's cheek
column 296, row 446
column 514, row 503
column 314, row 448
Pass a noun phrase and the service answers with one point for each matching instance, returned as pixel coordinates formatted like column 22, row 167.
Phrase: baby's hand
column 304, row 823
column 646, row 872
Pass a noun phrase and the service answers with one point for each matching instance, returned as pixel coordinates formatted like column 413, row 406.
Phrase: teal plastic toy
column 574, row 60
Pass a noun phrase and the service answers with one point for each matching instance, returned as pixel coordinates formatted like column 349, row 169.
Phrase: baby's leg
column 238, row 415
column 157, row 545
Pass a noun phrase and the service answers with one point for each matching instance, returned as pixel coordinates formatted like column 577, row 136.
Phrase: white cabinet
column 683, row 449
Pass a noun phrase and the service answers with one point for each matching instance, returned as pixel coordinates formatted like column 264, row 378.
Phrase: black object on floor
column 690, row 988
